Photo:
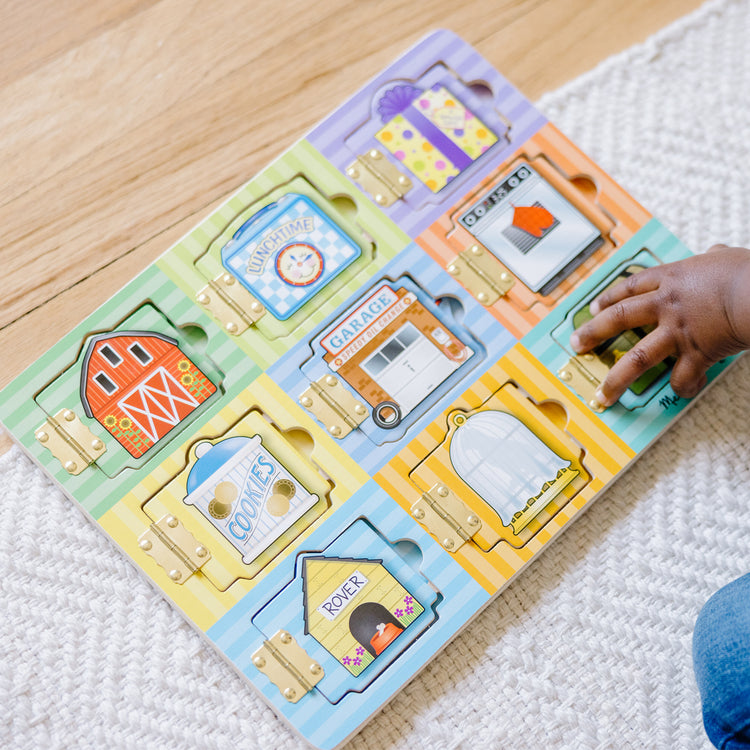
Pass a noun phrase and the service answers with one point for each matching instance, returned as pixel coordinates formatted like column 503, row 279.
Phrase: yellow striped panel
column 604, row 455
column 289, row 433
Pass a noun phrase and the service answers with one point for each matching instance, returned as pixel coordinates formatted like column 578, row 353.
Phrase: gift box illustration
column 243, row 490
column 431, row 132
column 287, row 252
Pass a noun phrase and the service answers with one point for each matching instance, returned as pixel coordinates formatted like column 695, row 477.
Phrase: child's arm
column 700, row 307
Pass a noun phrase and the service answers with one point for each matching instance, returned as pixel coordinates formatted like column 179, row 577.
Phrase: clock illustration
column 299, row 264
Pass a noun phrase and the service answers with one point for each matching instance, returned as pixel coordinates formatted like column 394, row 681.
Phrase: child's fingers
column 689, row 375
column 639, row 283
column 647, row 353
column 627, row 313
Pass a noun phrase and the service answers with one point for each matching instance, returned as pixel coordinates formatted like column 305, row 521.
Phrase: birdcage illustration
column 507, row 465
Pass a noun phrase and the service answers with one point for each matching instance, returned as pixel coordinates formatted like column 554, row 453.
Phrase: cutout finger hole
column 587, row 186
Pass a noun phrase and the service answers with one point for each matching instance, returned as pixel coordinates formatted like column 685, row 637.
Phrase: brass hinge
column 288, row 666
column 482, row 274
column 70, row 441
column 231, row 304
column 550, row 490
column 334, row 406
column 446, row 517
column 378, row 177
column 584, row 373
column 174, row 548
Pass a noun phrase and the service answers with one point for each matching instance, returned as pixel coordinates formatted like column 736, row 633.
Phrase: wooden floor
column 123, row 122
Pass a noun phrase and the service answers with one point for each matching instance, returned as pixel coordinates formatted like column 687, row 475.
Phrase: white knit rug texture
column 589, row 648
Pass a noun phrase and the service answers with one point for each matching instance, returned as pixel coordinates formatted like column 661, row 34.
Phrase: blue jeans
column 721, row 658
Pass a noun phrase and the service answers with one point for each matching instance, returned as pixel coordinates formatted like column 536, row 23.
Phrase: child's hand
column 700, row 307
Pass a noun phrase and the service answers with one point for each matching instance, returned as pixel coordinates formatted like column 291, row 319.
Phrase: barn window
column 103, row 381
column 140, row 353
column 110, row 355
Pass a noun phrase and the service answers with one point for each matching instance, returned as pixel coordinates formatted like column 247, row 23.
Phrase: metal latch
column 70, row 441
column 482, row 274
column 231, row 304
column 447, row 517
column 288, row 666
column 174, row 548
column 550, row 490
column 584, row 373
column 378, row 177
column 334, row 406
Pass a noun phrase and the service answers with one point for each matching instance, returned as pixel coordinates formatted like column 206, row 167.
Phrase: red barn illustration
column 139, row 385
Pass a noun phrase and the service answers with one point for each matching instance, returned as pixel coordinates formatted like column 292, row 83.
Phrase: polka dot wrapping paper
column 432, row 133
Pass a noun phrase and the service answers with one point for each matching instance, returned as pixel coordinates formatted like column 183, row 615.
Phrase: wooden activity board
column 335, row 419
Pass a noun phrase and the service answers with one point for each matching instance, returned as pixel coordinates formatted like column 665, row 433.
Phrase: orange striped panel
column 617, row 215
column 604, row 455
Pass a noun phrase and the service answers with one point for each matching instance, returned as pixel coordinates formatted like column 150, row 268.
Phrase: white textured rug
column 590, row 648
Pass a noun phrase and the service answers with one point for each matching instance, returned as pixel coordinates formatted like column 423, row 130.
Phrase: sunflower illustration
column 110, row 420
column 126, row 423
column 187, row 379
column 183, row 365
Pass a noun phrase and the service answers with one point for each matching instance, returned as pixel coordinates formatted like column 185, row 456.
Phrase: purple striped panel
column 421, row 206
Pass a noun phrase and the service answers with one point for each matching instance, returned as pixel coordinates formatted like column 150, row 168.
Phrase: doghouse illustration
column 140, row 385
column 355, row 608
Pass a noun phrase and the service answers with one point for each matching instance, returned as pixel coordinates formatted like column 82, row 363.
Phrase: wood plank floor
column 122, row 122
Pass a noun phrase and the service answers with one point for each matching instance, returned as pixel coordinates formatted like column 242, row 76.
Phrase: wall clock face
column 299, row 264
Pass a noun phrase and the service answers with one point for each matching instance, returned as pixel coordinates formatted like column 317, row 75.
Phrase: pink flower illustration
column 398, row 612
column 360, row 651
column 408, row 599
column 357, row 662
column 409, row 610
column 346, row 660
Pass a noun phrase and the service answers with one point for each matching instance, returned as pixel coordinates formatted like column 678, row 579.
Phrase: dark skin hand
column 700, row 308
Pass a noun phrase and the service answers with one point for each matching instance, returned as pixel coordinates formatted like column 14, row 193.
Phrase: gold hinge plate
column 550, row 490
column 332, row 404
column 288, row 666
column 584, row 373
column 446, row 517
column 482, row 274
column 231, row 304
column 70, row 441
column 378, row 177
column 174, row 548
